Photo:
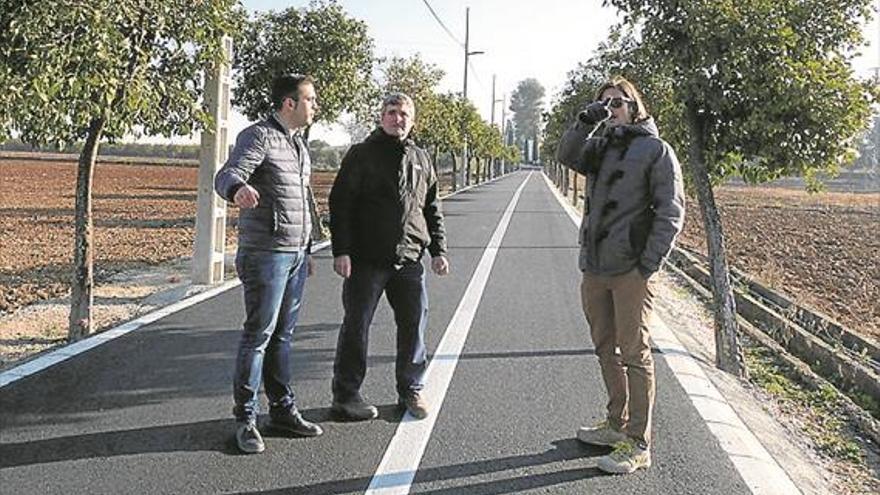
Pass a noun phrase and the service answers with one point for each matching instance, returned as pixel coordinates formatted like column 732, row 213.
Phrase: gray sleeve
column 579, row 150
column 246, row 156
column 667, row 193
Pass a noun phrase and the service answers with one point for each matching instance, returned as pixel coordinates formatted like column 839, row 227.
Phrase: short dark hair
column 287, row 86
column 637, row 106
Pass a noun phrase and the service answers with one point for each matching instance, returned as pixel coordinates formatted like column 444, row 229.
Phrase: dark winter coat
column 634, row 206
column 384, row 205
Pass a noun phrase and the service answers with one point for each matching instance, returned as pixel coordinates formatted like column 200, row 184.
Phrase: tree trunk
column 81, row 297
column 454, row 172
column 728, row 352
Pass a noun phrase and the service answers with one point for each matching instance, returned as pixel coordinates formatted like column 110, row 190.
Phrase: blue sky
column 522, row 38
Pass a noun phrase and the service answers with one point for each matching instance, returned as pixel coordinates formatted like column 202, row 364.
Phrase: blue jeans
column 404, row 286
column 273, row 283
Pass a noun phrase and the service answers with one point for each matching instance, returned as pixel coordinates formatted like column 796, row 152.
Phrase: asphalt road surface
column 511, row 382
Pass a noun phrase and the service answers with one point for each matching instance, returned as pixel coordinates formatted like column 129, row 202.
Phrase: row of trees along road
column 95, row 72
column 758, row 89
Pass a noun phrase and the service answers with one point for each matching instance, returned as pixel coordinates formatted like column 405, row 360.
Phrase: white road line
column 760, row 471
column 398, row 467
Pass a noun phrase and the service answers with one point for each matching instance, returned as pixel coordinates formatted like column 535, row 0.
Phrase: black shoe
column 356, row 409
column 248, row 438
column 291, row 421
column 415, row 404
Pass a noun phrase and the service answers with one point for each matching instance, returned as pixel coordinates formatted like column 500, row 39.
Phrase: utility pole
column 465, row 163
column 492, row 123
column 504, row 130
column 210, row 242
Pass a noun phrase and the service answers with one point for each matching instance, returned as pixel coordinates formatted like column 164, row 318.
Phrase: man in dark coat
column 384, row 213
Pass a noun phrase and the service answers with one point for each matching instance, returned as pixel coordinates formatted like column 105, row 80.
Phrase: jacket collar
column 381, row 137
column 275, row 119
column 645, row 127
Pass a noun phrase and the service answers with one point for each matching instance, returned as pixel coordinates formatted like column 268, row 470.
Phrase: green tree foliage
column 527, row 105
column 419, row 80
column 322, row 41
column 768, row 83
column 97, row 70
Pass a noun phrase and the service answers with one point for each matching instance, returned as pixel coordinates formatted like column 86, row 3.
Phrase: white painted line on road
column 398, row 467
column 68, row 351
column 760, row 471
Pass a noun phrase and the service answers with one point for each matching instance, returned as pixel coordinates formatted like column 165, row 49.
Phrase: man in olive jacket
column 384, row 213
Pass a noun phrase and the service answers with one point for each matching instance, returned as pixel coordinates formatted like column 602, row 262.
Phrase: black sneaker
column 415, row 404
column 291, row 421
column 248, row 437
column 356, row 409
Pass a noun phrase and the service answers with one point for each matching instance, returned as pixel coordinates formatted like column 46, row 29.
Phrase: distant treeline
column 187, row 151
column 323, row 155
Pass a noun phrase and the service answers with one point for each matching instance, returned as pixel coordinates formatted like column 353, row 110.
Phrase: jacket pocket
column 258, row 221
column 639, row 230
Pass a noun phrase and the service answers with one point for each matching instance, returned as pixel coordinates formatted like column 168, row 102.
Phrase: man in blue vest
column 267, row 177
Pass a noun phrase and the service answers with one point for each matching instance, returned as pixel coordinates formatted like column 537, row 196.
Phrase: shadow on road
column 563, row 450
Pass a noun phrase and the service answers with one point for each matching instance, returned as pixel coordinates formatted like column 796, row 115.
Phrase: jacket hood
column 645, row 127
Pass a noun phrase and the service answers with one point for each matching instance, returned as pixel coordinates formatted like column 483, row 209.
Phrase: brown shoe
column 415, row 404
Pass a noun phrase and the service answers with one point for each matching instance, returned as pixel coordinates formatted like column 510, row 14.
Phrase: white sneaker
column 601, row 434
column 626, row 458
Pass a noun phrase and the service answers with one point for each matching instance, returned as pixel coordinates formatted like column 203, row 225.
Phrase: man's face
column 397, row 120
column 303, row 109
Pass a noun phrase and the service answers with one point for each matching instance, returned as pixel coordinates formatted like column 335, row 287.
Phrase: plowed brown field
column 824, row 250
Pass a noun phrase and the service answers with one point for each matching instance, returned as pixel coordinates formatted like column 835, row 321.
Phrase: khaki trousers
column 617, row 309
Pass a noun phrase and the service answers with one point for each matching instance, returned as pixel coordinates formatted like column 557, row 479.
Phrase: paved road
column 150, row 412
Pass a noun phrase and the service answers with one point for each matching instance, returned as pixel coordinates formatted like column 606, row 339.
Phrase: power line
column 476, row 76
column 440, row 21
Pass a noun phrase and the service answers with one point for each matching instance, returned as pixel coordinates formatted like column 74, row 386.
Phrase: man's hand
column 440, row 265
column 246, row 197
column 342, row 266
column 310, row 266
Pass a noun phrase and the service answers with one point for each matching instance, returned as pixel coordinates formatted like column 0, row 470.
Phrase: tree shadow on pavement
column 563, row 450
column 213, row 435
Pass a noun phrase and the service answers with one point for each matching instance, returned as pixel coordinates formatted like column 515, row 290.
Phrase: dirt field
column 143, row 215
column 821, row 249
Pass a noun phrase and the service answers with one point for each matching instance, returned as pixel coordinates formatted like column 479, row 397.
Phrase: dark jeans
column 404, row 286
column 273, row 283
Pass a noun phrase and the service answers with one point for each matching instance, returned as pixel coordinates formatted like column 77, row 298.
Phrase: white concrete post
column 210, row 244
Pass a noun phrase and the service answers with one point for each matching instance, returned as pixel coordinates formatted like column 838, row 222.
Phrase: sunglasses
column 616, row 102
